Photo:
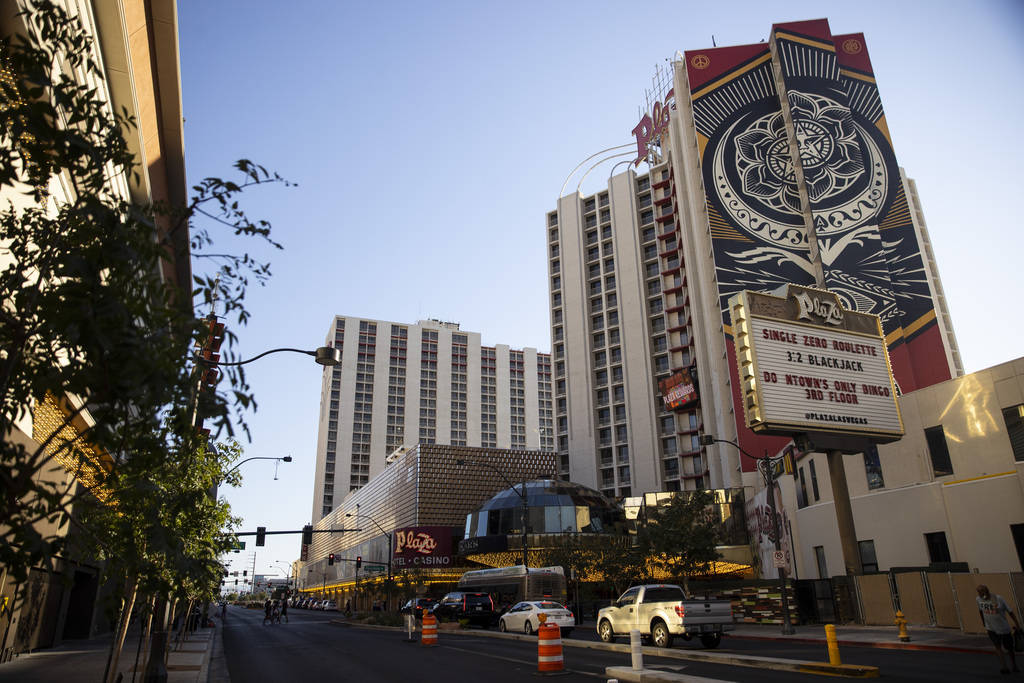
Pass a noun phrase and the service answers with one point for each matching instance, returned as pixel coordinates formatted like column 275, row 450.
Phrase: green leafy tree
column 679, row 537
column 94, row 335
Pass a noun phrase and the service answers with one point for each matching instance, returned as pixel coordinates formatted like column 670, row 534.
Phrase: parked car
column 525, row 617
column 329, row 606
column 662, row 611
column 477, row 608
column 417, row 605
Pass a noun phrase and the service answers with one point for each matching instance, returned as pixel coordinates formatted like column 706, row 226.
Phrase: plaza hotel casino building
column 766, row 165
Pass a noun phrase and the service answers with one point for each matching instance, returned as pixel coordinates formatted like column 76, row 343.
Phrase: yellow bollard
column 833, row 645
column 901, row 623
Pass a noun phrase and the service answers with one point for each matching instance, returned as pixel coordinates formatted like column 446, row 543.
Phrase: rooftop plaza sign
column 808, row 365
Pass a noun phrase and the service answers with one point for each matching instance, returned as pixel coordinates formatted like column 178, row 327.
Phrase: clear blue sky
column 428, row 141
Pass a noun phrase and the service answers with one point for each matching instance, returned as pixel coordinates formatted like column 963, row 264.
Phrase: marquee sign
column 422, row 546
column 806, row 364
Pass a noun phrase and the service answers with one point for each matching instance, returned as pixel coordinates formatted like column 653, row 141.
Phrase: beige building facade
column 431, row 382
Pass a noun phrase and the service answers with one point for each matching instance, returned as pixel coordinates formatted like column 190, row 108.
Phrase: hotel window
column 814, row 481
column 593, row 254
column 938, row 549
column 609, row 265
column 651, row 269
column 599, row 339
column 669, row 446
column 801, row 491
column 868, row 559
column 606, row 231
column 939, row 451
column 650, row 252
column 819, row 556
column 618, row 394
column 597, row 322
column 592, row 237
column 556, row 282
column 607, row 248
column 1014, row 419
column 653, row 287
column 595, row 287
column 646, row 217
column 647, row 235
column 593, row 270
column 873, row 468
column 668, row 424
column 620, row 413
column 613, row 318
column 601, row 378
column 602, row 397
column 613, row 300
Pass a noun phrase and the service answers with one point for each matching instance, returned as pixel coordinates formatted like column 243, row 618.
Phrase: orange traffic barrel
column 549, row 647
column 429, row 629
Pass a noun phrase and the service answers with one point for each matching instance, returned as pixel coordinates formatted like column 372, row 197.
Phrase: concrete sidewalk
column 85, row 660
column 921, row 637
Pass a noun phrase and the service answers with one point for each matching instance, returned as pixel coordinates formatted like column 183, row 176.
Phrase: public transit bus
column 509, row 585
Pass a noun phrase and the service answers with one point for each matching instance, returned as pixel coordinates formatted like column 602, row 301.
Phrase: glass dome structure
column 554, row 507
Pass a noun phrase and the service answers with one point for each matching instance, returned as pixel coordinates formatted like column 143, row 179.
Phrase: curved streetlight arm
column 708, row 439
column 286, row 458
column 325, row 355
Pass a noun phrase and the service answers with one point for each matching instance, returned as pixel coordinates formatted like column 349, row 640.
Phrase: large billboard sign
column 422, row 546
column 807, row 365
column 679, row 392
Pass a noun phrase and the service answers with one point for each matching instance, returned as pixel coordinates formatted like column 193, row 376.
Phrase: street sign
column 779, row 557
column 238, row 545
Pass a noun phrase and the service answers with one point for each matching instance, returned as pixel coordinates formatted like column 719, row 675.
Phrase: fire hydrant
column 901, row 623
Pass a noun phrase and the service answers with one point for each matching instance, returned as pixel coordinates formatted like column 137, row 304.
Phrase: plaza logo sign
column 423, row 546
column 421, row 542
column 652, row 126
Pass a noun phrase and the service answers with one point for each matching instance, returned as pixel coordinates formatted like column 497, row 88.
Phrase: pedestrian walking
column 266, row 611
column 223, row 610
column 994, row 610
column 284, row 609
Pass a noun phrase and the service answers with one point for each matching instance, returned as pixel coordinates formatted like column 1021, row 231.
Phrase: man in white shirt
column 994, row 610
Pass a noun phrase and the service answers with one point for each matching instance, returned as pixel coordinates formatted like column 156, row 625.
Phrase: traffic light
column 359, row 561
column 236, row 582
column 307, row 534
column 245, row 572
column 261, row 535
column 330, row 559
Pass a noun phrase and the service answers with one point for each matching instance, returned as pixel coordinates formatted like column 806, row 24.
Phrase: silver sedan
column 525, row 617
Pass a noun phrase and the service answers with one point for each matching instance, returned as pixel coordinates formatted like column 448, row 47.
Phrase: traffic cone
column 549, row 647
column 429, row 629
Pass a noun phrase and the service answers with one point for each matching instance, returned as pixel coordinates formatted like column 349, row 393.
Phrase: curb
column 751, row 661
column 862, row 643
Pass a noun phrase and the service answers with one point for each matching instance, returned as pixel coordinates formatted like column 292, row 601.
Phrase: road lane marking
column 530, row 662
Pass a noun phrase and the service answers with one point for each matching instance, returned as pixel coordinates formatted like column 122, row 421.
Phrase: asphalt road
column 310, row 648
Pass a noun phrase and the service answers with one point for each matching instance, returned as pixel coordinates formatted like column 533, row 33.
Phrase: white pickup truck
column 661, row 612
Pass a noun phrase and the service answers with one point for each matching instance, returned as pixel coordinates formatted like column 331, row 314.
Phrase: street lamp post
column 522, row 495
column 356, row 515
column 765, row 466
column 156, row 671
column 286, row 458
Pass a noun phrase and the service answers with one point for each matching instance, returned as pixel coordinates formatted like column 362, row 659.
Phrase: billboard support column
column 844, row 513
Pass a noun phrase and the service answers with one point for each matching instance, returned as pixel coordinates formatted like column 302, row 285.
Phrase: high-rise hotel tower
column 767, row 164
column 399, row 385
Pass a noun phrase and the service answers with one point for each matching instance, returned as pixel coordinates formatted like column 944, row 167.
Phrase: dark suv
column 478, row 608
